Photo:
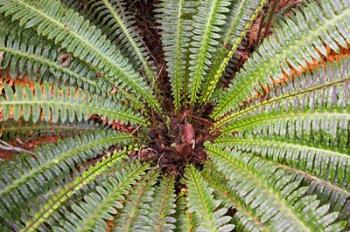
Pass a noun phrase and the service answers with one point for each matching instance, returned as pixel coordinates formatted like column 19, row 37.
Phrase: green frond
column 211, row 216
column 65, row 104
column 135, row 212
column 162, row 209
column 185, row 220
column 276, row 195
column 245, row 219
column 316, row 159
column 28, row 177
column 119, row 26
column 174, row 18
column 101, row 204
column 63, row 194
column 11, row 129
column 207, row 23
column 241, row 18
column 69, row 30
column 298, row 41
column 312, row 98
column 29, row 54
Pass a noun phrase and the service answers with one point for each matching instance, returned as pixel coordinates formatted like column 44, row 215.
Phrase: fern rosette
column 145, row 116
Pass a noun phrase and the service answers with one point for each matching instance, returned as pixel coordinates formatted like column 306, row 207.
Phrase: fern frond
column 66, row 104
column 241, row 18
column 162, row 209
column 306, row 91
column 275, row 195
column 211, row 216
column 207, row 32
column 23, row 53
column 29, row 177
column 136, row 209
column 313, row 96
column 185, row 220
column 173, row 16
column 119, row 26
column 63, row 194
column 245, row 218
column 101, row 204
column 69, row 30
column 27, row 130
column 298, row 42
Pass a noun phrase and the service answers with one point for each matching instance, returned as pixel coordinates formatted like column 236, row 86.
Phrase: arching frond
column 162, row 209
column 241, row 17
column 68, row 29
column 63, row 194
column 185, row 220
column 206, row 34
column 103, row 203
column 135, row 212
column 276, row 196
column 211, row 216
column 25, row 179
column 299, row 41
column 323, row 93
column 245, row 218
column 118, row 24
column 26, row 53
column 65, row 104
column 175, row 20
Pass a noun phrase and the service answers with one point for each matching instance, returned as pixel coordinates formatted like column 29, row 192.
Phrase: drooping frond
column 135, row 212
column 24, row 179
column 276, row 195
column 26, row 53
column 162, row 209
column 240, row 18
column 119, row 26
column 314, row 96
column 64, row 104
column 174, row 18
column 69, row 30
column 211, row 216
column 101, row 204
column 297, row 42
column 207, row 30
column 64, row 193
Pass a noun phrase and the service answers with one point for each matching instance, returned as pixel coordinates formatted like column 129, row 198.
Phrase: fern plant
column 268, row 152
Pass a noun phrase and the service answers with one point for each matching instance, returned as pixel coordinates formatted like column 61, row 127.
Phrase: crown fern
column 99, row 141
